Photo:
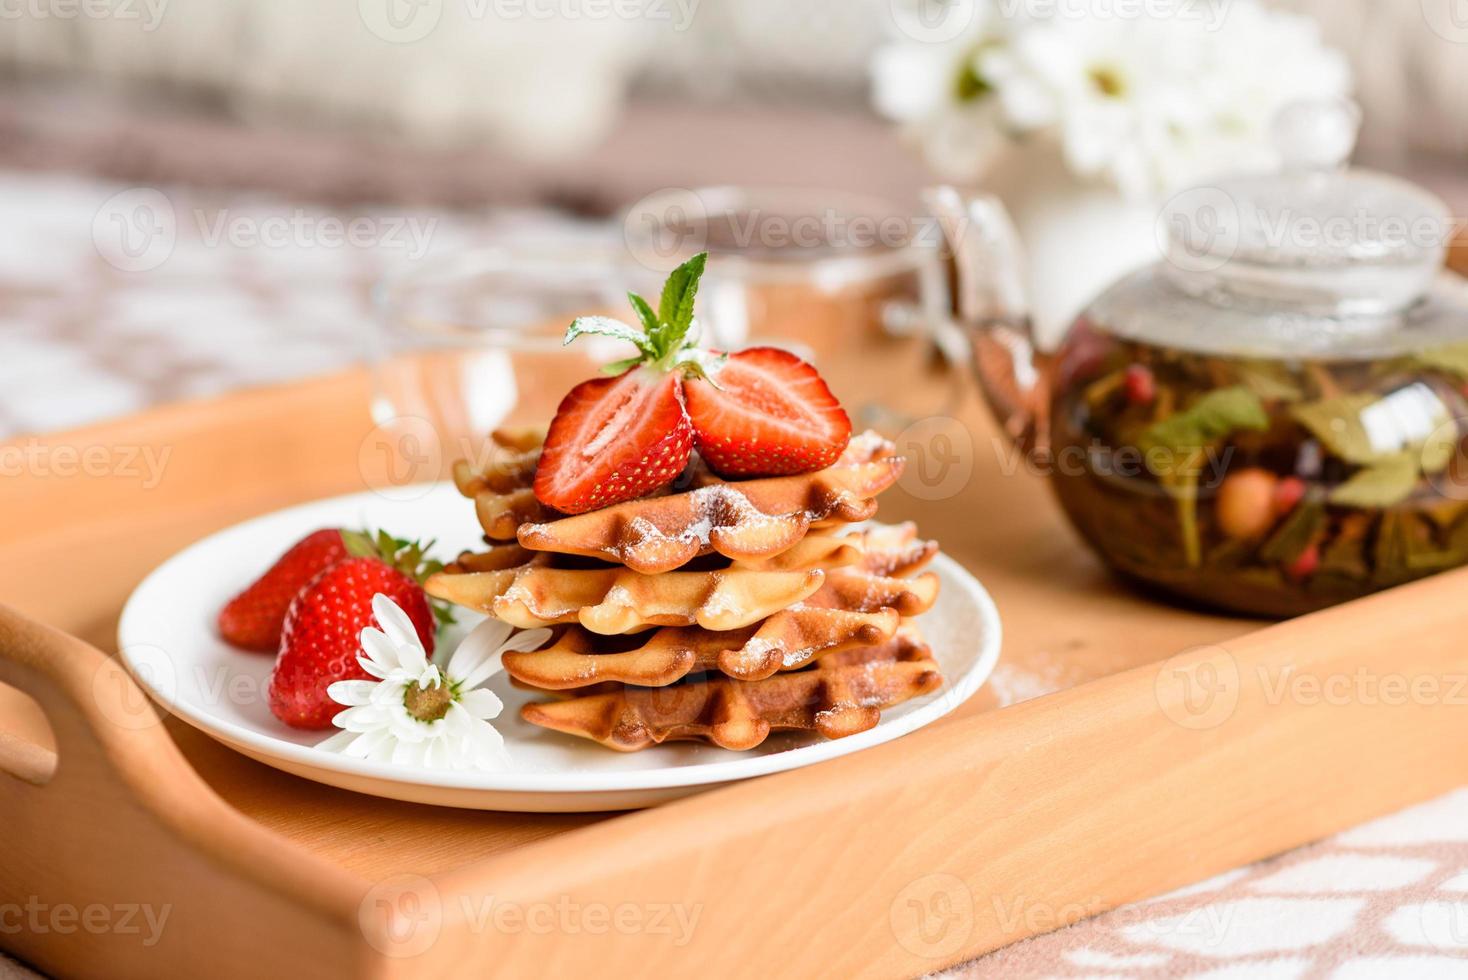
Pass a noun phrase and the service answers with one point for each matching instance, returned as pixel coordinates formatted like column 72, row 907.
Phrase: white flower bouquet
column 1148, row 95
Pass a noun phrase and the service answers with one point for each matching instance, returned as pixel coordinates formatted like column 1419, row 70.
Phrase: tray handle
column 117, row 818
column 99, row 717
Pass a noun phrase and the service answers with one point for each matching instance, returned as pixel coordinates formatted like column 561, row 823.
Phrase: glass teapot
column 1270, row 419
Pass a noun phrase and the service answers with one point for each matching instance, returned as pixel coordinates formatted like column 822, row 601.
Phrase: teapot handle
column 990, row 305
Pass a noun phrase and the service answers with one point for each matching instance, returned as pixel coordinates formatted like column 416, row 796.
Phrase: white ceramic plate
column 167, row 639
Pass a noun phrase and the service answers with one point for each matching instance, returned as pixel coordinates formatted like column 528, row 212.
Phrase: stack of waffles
column 716, row 610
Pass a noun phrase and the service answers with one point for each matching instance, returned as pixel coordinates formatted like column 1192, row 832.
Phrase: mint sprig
column 667, row 339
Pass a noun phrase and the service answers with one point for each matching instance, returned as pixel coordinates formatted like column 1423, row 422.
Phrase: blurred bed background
column 480, row 117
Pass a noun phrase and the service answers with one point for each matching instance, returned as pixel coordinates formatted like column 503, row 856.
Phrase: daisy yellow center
column 428, row 704
column 1108, row 81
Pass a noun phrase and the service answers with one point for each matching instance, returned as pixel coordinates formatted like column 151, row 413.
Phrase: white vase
column 1079, row 236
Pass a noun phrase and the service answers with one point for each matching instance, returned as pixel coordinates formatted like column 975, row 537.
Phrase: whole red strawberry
column 321, row 641
column 253, row 619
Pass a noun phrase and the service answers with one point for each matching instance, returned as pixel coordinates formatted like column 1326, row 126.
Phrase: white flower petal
column 438, row 755
column 526, row 640
column 338, row 742
column 352, row 693
column 482, row 703
column 369, row 744
column 365, row 718
column 482, row 642
column 394, row 622
column 379, row 648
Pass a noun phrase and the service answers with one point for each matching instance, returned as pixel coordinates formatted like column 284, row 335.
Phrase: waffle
column 854, row 606
column 613, row 600
column 501, row 486
column 788, row 640
column 747, row 519
column 841, row 695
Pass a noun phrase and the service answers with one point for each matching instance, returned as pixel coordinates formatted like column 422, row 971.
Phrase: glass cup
column 857, row 284
column 471, row 343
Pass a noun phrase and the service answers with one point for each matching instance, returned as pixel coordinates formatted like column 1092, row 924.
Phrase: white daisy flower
column 417, row 714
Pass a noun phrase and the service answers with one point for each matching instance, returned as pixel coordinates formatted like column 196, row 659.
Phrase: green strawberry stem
column 408, row 557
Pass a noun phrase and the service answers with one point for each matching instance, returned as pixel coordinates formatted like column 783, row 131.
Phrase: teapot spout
column 990, row 305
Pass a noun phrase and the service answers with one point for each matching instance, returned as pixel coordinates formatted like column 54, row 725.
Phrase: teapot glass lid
column 1315, row 238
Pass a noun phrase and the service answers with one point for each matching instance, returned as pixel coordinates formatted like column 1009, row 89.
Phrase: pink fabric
column 1388, row 899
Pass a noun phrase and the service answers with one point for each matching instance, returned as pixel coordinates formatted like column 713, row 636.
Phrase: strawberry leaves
column 408, row 557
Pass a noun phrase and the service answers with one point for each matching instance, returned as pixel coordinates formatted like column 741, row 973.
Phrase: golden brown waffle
column 853, row 608
column 841, row 695
column 788, row 640
column 531, row 593
column 746, row 519
column 501, row 484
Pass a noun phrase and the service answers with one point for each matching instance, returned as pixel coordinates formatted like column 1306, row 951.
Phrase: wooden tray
column 996, row 824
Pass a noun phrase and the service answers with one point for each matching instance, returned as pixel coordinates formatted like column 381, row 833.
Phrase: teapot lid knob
column 1316, row 134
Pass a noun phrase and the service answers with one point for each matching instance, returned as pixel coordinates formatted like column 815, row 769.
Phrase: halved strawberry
column 253, row 619
column 766, row 412
column 614, row 439
column 760, row 412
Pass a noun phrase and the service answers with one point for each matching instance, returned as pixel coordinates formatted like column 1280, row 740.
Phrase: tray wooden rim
column 1038, row 779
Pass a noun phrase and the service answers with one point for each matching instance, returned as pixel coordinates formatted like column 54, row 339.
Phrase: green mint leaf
column 675, row 308
column 605, row 326
column 1214, row 416
column 1382, row 484
column 1452, row 359
column 1336, row 422
column 1269, row 380
column 621, row 367
column 1295, row 534
column 645, row 314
